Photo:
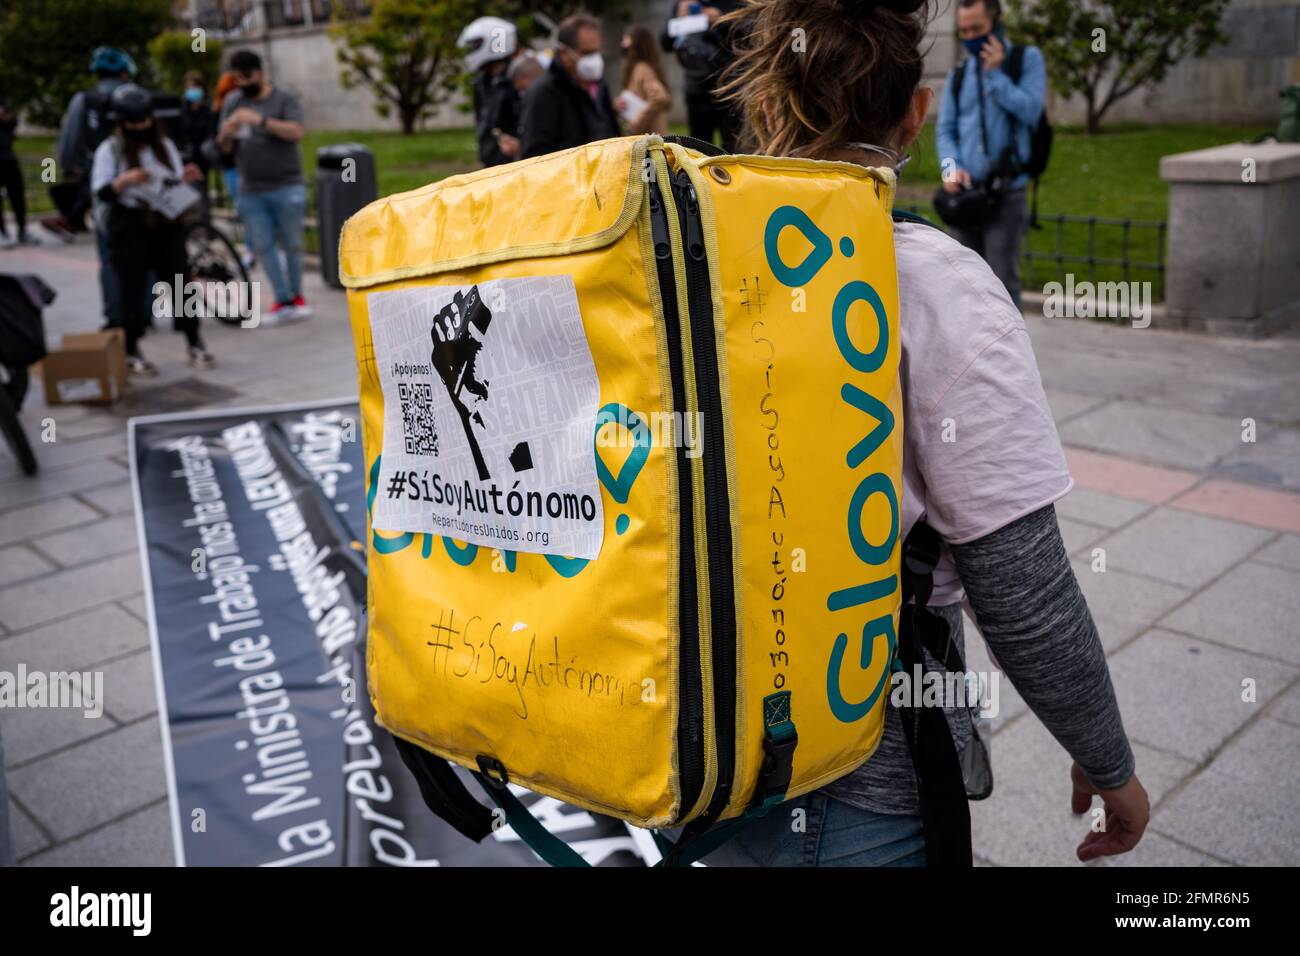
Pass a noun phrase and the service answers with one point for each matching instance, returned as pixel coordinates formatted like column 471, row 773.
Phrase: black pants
column 11, row 181
column 137, row 249
column 705, row 116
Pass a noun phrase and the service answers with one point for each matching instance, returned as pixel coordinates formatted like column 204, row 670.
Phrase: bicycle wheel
column 14, row 434
column 215, row 265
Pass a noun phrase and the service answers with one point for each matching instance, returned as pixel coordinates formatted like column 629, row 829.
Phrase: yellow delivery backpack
column 633, row 430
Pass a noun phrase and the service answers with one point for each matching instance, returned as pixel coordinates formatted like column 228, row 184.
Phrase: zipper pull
column 659, row 225
column 694, row 228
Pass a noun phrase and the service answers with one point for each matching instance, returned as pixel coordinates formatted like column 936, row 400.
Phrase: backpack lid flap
column 552, row 205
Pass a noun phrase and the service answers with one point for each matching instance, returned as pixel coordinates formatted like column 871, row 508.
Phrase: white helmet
column 487, row 40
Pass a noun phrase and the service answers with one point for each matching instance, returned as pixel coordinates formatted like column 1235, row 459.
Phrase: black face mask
column 251, row 90
column 144, row 135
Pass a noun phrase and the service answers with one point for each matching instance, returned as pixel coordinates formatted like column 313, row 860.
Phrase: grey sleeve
column 1034, row 617
column 293, row 109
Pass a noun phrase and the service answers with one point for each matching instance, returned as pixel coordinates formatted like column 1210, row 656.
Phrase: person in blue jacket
column 1011, row 111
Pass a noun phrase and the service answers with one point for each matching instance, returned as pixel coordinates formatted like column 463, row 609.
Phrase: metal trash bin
column 345, row 181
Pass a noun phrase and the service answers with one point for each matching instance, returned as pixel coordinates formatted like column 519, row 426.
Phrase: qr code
column 419, row 426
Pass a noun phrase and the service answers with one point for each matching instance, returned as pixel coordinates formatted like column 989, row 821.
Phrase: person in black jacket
column 569, row 106
column 704, row 57
column 11, row 176
column 491, row 45
column 194, row 127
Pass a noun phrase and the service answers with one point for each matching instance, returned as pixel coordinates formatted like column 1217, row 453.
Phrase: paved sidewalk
column 1197, row 529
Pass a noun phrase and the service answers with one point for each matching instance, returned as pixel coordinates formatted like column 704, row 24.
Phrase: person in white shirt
column 136, row 177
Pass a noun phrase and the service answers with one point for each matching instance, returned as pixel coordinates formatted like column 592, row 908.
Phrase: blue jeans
column 108, row 291
column 231, row 177
column 828, row 832
column 272, row 217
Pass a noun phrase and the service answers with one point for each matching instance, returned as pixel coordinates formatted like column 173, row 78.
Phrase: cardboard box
column 90, row 368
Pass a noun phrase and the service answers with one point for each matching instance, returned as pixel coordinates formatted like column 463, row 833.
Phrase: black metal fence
column 1094, row 254
column 1106, row 249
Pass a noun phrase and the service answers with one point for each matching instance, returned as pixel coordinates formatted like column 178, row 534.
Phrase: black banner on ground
column 251, row 526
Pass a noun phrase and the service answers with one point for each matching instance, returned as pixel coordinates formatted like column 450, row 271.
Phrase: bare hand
column 508, row 144
column 958, row 180
column 712, row 13
column 245, row 114
column 132, row 177
column 191, row 173
column 1128, row 810
column 992, row 53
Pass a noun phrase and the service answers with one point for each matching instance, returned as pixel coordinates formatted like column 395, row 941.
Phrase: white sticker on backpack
column 490, row 401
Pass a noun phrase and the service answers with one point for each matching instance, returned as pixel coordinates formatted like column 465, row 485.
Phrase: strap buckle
column 921, row 549
column 778, row 767
column 494, row 772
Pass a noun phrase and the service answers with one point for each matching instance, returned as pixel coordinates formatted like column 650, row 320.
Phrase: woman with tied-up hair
column 852, row 93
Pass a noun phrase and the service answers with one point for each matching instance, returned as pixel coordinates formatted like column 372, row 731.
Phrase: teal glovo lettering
column 383, row 545
column 802, row 274
column 859, row 291
column 874, row 483
column 620, row 486
column 843, row 709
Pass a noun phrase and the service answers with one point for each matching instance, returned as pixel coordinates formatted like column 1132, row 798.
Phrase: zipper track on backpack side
column 694, row 736
column 717, row 497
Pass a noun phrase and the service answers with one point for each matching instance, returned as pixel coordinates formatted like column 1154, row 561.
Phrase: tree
column 177, row 52
column 1105, row 51
column 45, row 47
column 405, row 53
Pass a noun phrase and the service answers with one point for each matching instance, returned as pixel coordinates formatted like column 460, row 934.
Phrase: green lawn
column 1114, row 174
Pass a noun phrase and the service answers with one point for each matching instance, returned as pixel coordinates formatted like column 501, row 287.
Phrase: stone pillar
column 1234, row 238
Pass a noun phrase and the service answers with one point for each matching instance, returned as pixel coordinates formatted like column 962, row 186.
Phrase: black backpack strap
column 945, row 812
column 450, row 799
column 699, row 145
column 444, row 793
column 902, row 215
column 1014, row 64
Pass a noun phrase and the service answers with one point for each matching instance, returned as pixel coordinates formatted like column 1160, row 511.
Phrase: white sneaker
column 282, row 314
column 139, row 365
column 201, row 358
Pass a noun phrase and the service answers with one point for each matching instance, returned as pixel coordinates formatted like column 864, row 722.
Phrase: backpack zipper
column 690, row 719
column 717, row 500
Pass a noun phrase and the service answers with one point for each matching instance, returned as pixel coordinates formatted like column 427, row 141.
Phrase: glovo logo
column 877, row 635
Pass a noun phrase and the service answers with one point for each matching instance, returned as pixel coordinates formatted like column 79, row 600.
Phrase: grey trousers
column 998, row 243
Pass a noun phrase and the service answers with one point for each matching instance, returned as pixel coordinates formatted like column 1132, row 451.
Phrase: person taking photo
column 986, row 121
